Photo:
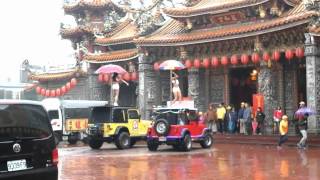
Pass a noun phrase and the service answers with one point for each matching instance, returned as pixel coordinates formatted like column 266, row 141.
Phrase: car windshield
column 72, row 113
column 23, row 121
column 100, row 115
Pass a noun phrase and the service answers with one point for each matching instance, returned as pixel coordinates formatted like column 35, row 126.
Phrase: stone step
column 313, row 140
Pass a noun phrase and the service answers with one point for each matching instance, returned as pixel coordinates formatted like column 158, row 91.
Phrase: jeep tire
column 152, row 145
column 73, row 138
column 186, row 143
column 207, row 140
column 161, row 127
column 95, row 143
column 123, row 140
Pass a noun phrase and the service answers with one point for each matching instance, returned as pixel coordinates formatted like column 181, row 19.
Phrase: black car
column 27, row 145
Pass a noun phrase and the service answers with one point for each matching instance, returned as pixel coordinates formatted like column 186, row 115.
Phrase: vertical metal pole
column 111, row 93
column 170, row 85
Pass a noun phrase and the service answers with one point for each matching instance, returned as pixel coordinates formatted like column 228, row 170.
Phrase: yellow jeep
column 121, row 125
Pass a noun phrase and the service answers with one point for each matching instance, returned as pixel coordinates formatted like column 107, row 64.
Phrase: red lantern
column 73, row 82
column 43, row 92
column 276, row 55
column 134, row 76
column 300, row 52
column 234, row 59
column 197, row 63
column 214, row 61
column 52, row 93
column 244, row 59
column 38, row 90
column 127, row 76
column 47, row 93
column 224, row 60
column 68, row 86
column 266, row 56
column 289, row 54
column 255, row 57
column 188, row 63
column 156, row 66
column 206, row 63
column 58, row 92
column 100, row 78
column 63, row 90
column 106, row 77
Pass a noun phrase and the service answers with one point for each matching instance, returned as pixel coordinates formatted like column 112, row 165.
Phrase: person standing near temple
column 242, row 122
column 231, row 118
column 303, row 126
column 260, row 119
column 283, row 130
column 277, row 115
column 175, row 88
column 221, row 112
column 247, row 116
column 211, row 117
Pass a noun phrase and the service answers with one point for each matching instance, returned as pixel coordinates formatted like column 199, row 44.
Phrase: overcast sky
column 30, row 30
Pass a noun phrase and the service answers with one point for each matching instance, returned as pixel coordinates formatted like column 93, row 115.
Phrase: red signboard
column 257, row 101
column 228, row 18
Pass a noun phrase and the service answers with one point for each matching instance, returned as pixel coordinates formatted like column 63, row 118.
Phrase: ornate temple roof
column 124, row 33
column 89, row 4
column 112, row 56
column 76, row 72
column 211, row 7
column 315, row 30
column 75, row 32
column 174, row 32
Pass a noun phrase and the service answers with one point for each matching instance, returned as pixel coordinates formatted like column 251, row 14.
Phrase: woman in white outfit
column 175, row 88
column 116, row 87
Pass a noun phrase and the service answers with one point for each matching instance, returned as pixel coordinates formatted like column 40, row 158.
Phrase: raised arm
column 125, row 82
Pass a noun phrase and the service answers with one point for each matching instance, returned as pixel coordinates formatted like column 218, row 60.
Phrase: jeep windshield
column 23, row 121
column 100, row 115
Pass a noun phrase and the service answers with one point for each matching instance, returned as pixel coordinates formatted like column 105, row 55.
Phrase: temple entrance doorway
column 302, row 82
column 243, row 84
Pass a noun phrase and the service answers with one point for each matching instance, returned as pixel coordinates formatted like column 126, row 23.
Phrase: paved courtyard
column 223, row 161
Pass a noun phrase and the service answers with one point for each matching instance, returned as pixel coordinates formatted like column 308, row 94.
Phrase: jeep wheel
column 95, row 143
column 72, row 139
column 152, row 145
column 207, row 141
column 162, row 127
column 186, row 144
column 123, row 140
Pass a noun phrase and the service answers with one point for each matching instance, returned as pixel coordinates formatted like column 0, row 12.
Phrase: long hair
column 114, row 77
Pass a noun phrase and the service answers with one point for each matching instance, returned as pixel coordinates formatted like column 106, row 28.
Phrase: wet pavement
column 223, row 161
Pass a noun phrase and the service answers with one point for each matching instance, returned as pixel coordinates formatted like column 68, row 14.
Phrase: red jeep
column 178, row 127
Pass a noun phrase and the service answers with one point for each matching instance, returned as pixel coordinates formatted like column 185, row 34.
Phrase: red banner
column 257, row 101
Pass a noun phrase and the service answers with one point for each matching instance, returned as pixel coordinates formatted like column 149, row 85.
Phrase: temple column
column 194, row 87
column 149, row 90
column 312, row 53
column 266, row 88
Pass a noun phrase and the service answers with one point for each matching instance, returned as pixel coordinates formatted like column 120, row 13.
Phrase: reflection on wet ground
column 221, row 162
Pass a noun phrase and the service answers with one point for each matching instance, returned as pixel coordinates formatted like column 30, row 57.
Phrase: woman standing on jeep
column 175, row 88
column 115, row 86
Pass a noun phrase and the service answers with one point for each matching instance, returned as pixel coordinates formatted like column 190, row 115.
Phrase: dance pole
column 170, row 86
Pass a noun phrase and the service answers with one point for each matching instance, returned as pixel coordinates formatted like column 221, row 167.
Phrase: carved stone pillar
column 194, row 86
column 266, row 88
column 148, row 86
column 312, row 53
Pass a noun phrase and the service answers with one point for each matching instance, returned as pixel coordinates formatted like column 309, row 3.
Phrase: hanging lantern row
column 243, row 59
column 57, row 92
column 126, row 76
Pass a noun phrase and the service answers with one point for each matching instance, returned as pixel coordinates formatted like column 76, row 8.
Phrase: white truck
column 69, row 118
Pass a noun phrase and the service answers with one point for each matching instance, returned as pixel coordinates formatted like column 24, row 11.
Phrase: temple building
column 234, row 51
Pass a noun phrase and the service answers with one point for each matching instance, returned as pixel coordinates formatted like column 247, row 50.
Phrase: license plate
column 162, row 138
column 17, row 165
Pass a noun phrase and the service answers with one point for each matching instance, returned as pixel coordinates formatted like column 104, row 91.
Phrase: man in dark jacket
column 241, row 120
column 260, row 119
